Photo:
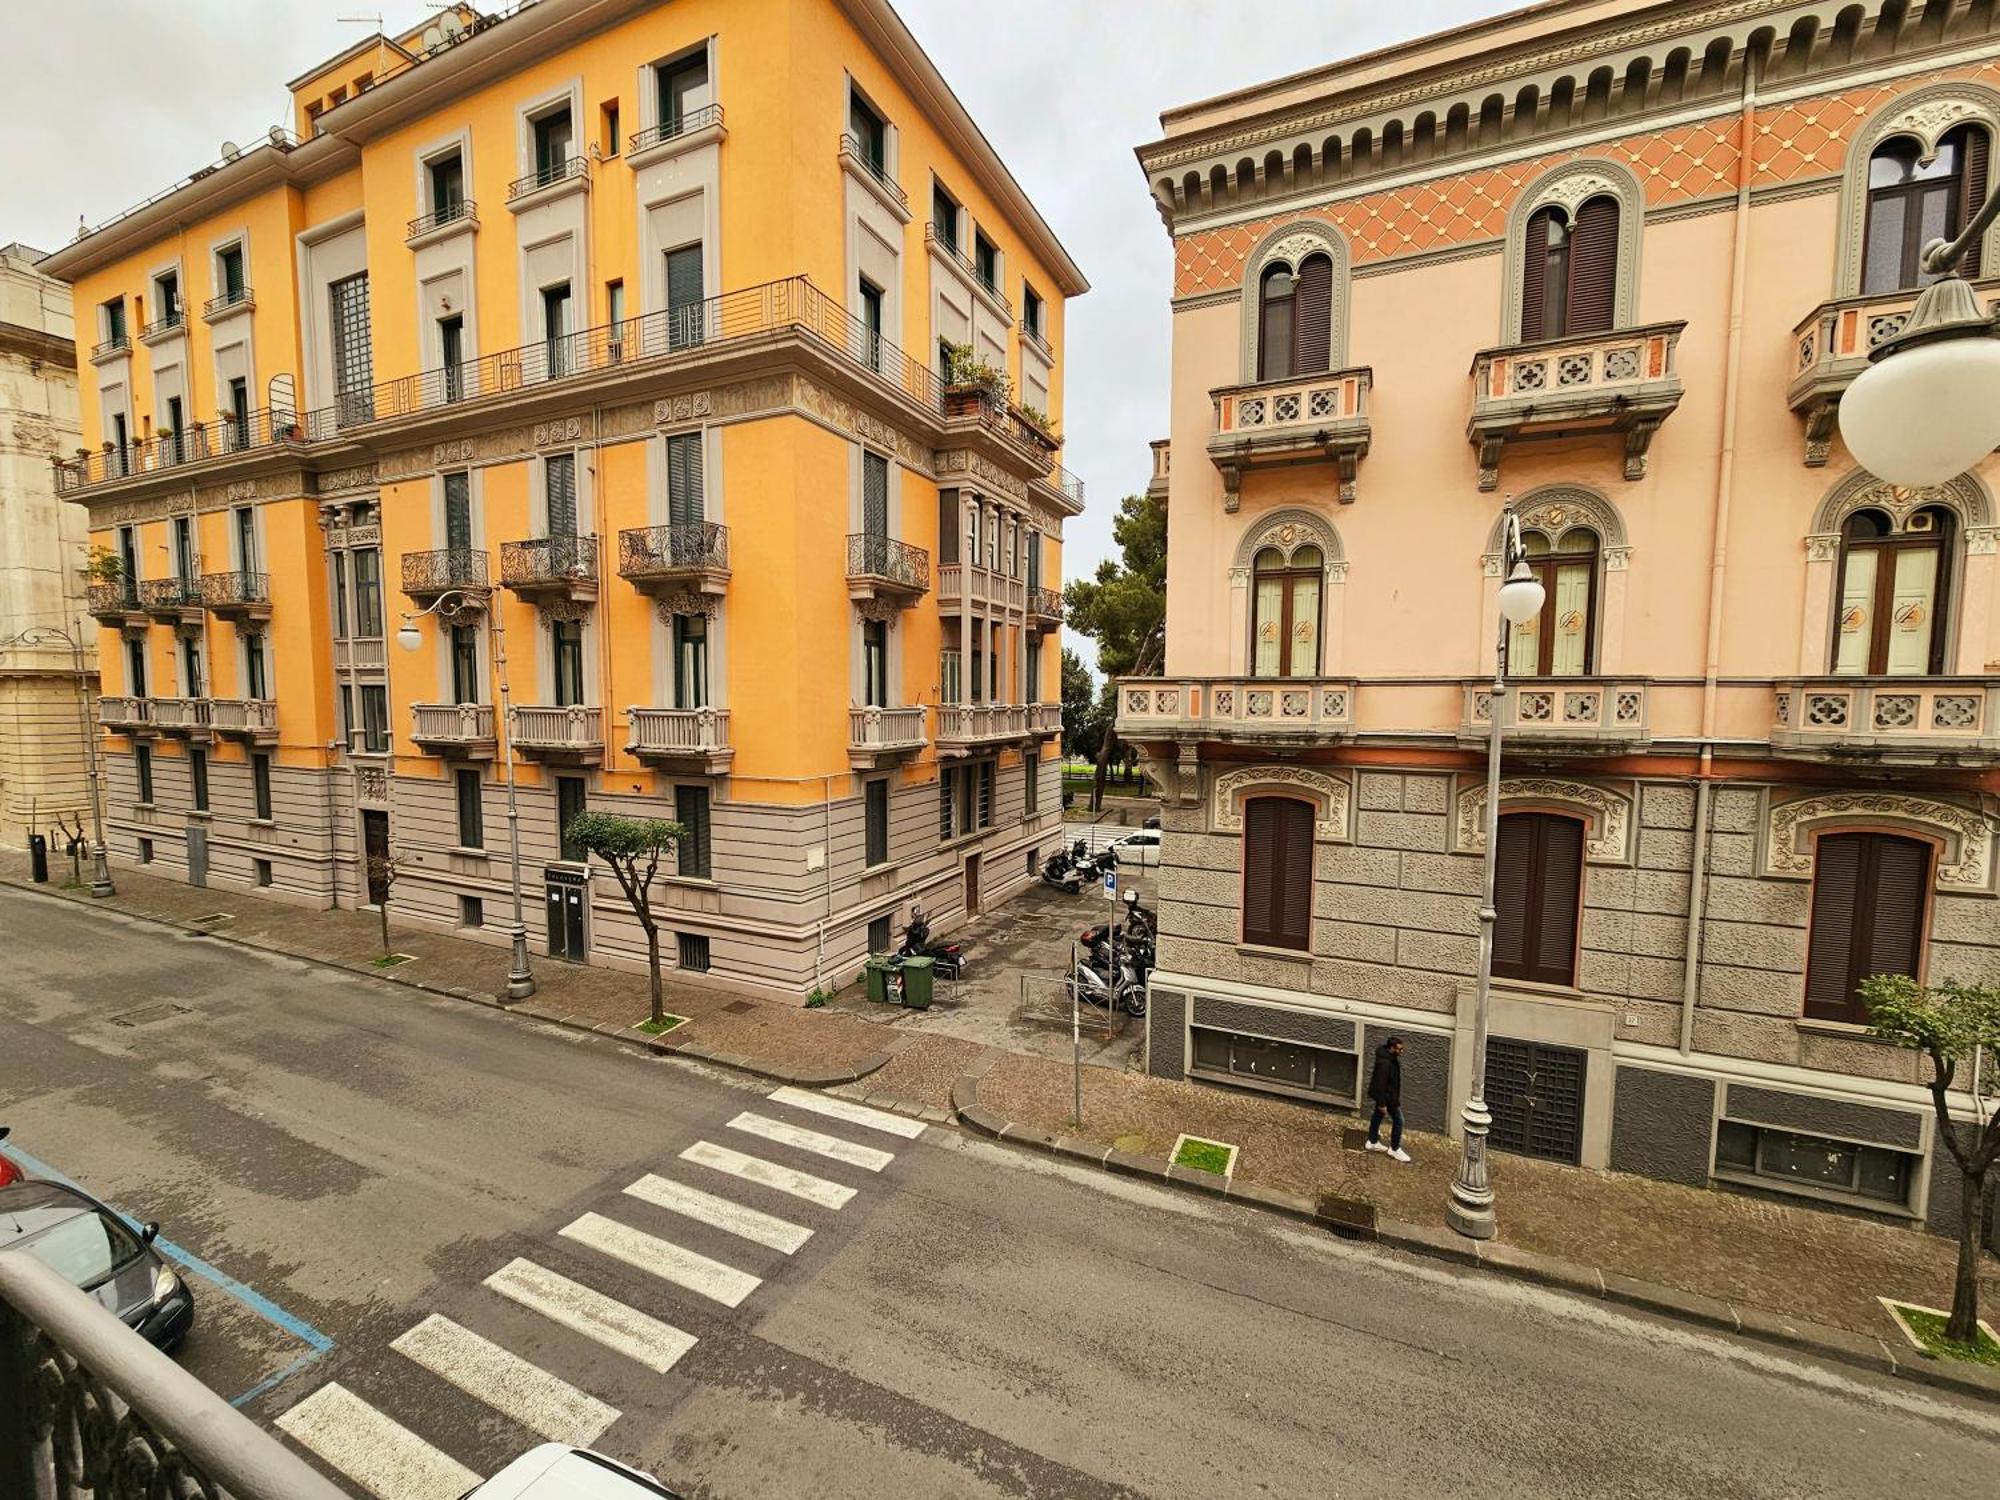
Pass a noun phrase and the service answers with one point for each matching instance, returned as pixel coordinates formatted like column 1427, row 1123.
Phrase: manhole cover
column 738, row 1007
column 145, row 1015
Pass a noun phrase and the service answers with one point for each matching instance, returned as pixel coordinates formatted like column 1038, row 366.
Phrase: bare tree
column 382, row 872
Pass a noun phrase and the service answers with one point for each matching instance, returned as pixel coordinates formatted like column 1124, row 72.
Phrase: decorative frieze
column 977, row 466
column 1329, row 795
column 1608, row 814
column 688, row 406
column 687, row 602
column 561, row 431
column 1965, row 865
column 360, row 476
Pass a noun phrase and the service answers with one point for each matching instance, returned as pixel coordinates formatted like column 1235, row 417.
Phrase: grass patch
column 1204, row 1155
column 661, row 1026
column 1924, row 1327
column 392, row 960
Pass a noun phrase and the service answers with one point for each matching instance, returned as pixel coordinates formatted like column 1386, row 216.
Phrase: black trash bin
column 38, row 858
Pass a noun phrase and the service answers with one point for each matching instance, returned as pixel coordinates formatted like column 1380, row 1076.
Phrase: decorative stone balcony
column 882, row 570
column 429, row 576
column 125, row 714
column 253, row 720
column 878, row 737
column 572, row 735
column 551, row 568
column 1270, row 711
column 237, row 596
column 189, row 718
column 115, row 602
column 1045, row 609
column 1600, row 712
column 1831, row 346
column 1623, row 383
column 692, row 740
column 461, row 730
column 981, row 587
column 665, row 560
column 1890, row 720
column 964, row 728
column 1279, row 423
column 175, row 601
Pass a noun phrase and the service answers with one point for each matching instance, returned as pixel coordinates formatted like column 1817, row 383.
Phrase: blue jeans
column 1395, row 1114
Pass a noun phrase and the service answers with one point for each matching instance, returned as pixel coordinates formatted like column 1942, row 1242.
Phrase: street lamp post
column 41, row 635
column 1470, row 1210
column 520, row 978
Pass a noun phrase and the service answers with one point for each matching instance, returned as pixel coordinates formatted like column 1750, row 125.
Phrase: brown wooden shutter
column 1561, row 841
column 1893, row 884
column 1537, row 882
column 1534, row 268
column 1972, row 191
column 1260, row 868
column 1593, row 268
column 1277, row 872
column 1294, row 904
column 1274, row 334
column 1313, row 297
column 1515, row 890
column 1830, row 975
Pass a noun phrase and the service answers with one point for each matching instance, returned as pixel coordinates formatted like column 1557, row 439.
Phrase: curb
column 624, row 1036
column 1837, row 1344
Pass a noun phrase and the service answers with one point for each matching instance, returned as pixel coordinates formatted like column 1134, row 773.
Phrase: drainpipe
column 1725, row 493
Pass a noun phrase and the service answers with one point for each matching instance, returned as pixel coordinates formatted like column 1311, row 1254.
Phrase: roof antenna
column 374, row 20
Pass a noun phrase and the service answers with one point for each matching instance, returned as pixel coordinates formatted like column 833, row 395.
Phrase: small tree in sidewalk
column 382, row 872
column 633, row 847
column 1951, row 1023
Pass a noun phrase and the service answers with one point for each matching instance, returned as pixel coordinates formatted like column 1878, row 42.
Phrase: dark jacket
column 1385, row 1084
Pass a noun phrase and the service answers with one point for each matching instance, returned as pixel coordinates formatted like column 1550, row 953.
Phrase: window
column 471, row 816
column 142, row 764
column 690, row 661
column 683, row 91
column 572, row 802
column 1032, row 313
column 260, row 786
column 566, row 659
column 684, row 480
column 1031, row 690
column 191, row 675
column 374, row 718
column 353, row 350
column 607, row 127
column 944, row 217
column 447, row 175
column 555, row 329
column 167, row 298
column 559, row 493
column 229, row 273
column 464, row 664
column 135, row 668
column 260, row 871
column 367, row 591
column 1295, row 319
column 239, row 414
column 1285, row 627
column 1893, row 588
column 339, row 592
column 985, row 262
column 875, row 663
column 174, row 423
column 692, row 948
column 694, row 851
column 345, row 703
column 553, row 140
column 686, row 292
column 1911, row 202
column 1561, row 640
column 1569, row 271
column 1868, row 909
column 988, row 772
column 875, row 820
column 120, row 440
column 256, row 669
column 1262, row 1062
column 614, row 314
column 458, row 511
column 1032, row 540
column 451, row 356
column 198, row 778
column 1874, row 1172
column 875, row 498
column 1031, row 784
column 471, row 912
column 871, row 133
column 1538, row 885
column 946, row 810
column 184, row 567
column 880, row 938
column 114, row 321
column 145, row 851
column 246, row 538
column 1277, row 872
column 871, row 322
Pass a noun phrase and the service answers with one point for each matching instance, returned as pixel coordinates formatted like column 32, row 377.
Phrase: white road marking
column 663, row 1258
column 510, row 1385
column 720, row 1213
column 385, row 1458
column 848, row 1110
column 654, row 1344
column 811, row 1140
column 769, row 1174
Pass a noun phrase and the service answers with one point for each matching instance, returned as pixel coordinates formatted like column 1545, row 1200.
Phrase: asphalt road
column 412, row 1200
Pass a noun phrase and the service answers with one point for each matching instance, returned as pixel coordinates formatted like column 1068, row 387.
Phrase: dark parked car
column 78, row 1237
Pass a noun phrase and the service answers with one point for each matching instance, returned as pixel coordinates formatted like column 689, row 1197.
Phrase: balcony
column 556, row 180
column 1929, row 721
column 1045, row 608
column 948, row 251
column 883, row 570
column 227, row 437
column 1831, row 346
column 430, row 576
column 1267, row 711
column 661, row 560
column 125, row 714
column 1275, row 424
column 167, row 326
column 551, row 567
column 879, row 737
column 698, row 127
column 1582, row 712
column 189, row 717
column 460, row 730
column 227, row 304
column 690, row 740
column 855, row 158
column 969, row 406
column 570, row 736
column 1622, row 382
column 176, row 601
column 979, row 587
column 115, row 602
column 237, row 596
column 118, row 345
column 252, row 720
column 1069, row 486
column 453, row 218
column 965, row 728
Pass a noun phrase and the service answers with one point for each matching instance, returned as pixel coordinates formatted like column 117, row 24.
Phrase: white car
column 556, row 1471
column 1141, row 848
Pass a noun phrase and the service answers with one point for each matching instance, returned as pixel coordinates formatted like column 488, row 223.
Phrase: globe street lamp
column 42, row 635
column 520, row 979
column 1470, row 1210
column 1928, row 406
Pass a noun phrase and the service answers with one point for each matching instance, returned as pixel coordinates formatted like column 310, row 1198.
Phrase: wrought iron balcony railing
column 118, row 343
column 877, row 172
column 1045, row 604
column 1070, row 484
column 548, row 176
column 884, row 561
column 544, row 562
column 228, row 301
column 238, row 595
column 227, row 434
column 464, row 211
column 447, row 568
column 169, row 596
column 949, row 250
column 708, row 116
column 113, row 598
column 170, row 322
column 671, row 554
column 1033, row 336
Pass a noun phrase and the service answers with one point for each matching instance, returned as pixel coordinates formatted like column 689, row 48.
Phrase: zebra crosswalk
column 547, row 1353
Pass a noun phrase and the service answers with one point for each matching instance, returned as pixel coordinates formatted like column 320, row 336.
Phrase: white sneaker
column 1376, row 1146
column 1399, row 1154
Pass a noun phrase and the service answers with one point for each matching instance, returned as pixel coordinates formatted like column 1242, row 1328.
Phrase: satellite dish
column 433, row 37
column 277, row 134
column 452, row 25
column 230, row 151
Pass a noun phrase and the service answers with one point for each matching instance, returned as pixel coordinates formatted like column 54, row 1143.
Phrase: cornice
column 34, row 343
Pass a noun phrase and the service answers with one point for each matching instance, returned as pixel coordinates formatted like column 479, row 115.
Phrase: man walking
column 1385, row 1087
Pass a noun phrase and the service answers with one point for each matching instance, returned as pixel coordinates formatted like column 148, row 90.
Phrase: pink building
column 1616, row 259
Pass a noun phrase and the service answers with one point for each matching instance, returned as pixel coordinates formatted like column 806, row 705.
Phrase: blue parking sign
column 1110, row 885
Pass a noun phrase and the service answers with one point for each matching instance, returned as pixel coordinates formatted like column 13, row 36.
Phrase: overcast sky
column 105, row 102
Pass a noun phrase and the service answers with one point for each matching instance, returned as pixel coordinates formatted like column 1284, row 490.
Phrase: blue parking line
column 317, row 1343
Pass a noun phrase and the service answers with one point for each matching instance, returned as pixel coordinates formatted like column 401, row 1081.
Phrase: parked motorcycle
column 1061, row 871
column 1101, row 986
column 947, row 959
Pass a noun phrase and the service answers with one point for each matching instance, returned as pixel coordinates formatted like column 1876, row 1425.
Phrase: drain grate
column 213, row 919
column 739, row 1007
column 145, row 1015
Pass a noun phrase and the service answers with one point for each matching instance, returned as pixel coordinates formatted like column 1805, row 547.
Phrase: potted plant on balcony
column 103, row 565
column 970, row 383
column 1038, row 419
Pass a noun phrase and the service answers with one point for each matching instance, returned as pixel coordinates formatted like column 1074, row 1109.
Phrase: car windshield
column 87, row 1248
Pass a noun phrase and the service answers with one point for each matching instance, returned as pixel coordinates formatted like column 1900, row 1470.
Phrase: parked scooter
column 947, row 959
column 1061, row 871
column 1101, row 986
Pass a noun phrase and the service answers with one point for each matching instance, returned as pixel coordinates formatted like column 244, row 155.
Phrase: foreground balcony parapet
column 253, row 720
column 571, row 734
column 965, row 728
column 115, row 602
column 191, row 718
column 1926, row 721
column 239, row 596
column 551, row 567
column 1622, row 382
column 1274, row 424
column 1601, row 713
column 1832, row 345
column 429, row 576
column 125, row 714
column 1273, row 711
column 883, row 570
column 693, row 740
column 461, row 730
column 659, row 560
column 173, row 601
column 960, row 585
column 879, row 737
column 1045, row 609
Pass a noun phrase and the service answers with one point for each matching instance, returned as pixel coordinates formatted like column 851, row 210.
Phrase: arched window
column 1537, row 894
column 1893, row 586
column 1562, row 640
column 1868, row 908
column 1286, row 610
column 1295, row 319
column 1912, row 201
column 1277, row 872
column 1569, row 271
